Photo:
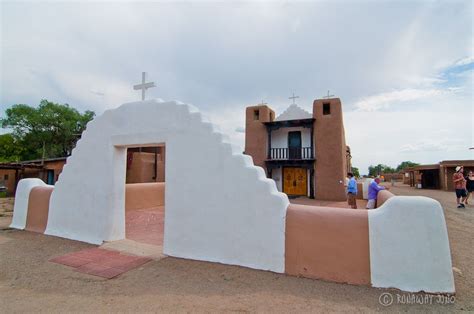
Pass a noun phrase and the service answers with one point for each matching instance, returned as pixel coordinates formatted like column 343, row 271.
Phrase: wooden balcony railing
column 291, row 153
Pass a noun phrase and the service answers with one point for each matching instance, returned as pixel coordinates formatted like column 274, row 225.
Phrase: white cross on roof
column 144, row 86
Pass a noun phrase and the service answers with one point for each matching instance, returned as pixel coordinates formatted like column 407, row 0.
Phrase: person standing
column 460, row 186
column 374, row 188
column 351, row 191
column 469, row 185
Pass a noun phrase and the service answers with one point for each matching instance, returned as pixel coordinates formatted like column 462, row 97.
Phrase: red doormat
column 100, row 262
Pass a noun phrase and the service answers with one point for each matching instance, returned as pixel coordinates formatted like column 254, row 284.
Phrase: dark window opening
column 256, row 115
column 294, row 145
column 5, row 177
column 326, row 109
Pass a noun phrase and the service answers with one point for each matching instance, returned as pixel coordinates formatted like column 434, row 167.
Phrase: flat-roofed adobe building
column 436, row 176
column 305, row 153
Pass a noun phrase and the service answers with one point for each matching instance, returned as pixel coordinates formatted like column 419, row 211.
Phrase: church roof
column 293, row 112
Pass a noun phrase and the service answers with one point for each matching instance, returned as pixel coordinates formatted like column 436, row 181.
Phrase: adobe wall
column 22, row 200
column 383, row 196
column 409, row 246
column 144, row 195
column 256, row 136
column 10, row 182
column 328, row 243
column 57, row 166
column 142, row 168
column 38, row 208
column 219, row 206
column 330, row 146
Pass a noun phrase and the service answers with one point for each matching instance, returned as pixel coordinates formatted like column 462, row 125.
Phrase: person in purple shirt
column 374, row 188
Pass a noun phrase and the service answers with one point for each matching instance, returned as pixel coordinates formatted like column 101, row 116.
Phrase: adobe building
column 47, row 170
column 305, row 153
column 436, row 176
column 144, row 164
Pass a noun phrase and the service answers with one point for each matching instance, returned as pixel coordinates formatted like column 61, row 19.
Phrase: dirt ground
column 29, row 283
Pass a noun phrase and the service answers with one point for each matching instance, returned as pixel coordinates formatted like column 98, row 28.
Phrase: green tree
column 379, row 169
column 355, row 172
column 52, row 129
column 9, row 148
column 406, row 164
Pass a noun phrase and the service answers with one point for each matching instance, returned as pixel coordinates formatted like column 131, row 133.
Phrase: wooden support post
column 311, row 183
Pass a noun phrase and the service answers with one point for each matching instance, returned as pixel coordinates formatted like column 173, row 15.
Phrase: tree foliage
column 355, row 172
column 379, row 169
column 406, row 164
column 52, row 129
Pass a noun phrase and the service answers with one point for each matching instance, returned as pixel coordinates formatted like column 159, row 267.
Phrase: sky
column 402, row 69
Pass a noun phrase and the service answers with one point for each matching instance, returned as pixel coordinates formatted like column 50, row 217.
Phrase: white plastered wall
column 219, row 206
column 22, row 194
column 409, row 246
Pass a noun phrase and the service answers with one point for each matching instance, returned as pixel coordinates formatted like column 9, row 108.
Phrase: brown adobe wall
column 256, row 137
column 10, row 182
column 383, row 196
column 330, row 147
column 328, row 243
column 57, row 166
column 38, row 208
column 142, row 168
column 144, row 195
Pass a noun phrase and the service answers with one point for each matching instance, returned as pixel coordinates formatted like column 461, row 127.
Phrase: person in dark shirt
column 469, row 185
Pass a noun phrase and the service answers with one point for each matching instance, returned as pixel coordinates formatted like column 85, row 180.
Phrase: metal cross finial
column 144, row 86
column 293, row 97
column 263, row 103
column 328, row 96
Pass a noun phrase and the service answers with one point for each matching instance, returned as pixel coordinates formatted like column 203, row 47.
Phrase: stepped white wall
column 219, row 206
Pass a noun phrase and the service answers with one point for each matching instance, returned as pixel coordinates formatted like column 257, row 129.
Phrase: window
column 326, row 109
column 5, row 177
column 256, row 114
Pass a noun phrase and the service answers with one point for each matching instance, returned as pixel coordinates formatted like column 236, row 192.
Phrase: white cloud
column 384, row 100
column 465, row 61
column 223, row 57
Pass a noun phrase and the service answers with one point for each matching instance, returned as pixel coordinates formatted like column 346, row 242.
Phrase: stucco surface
column 328, row 243
column 383, row 196
column 144, row 195
column 219, row 206
column 409, row 247
column 38, row 207
column 20, row 209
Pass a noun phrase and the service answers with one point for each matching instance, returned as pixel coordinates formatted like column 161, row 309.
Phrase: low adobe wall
column 38, row 208
column 383, row 196
column 360, row 190
column 402, row 244
column 22, row 200
column 144, row 195
column 328, row 243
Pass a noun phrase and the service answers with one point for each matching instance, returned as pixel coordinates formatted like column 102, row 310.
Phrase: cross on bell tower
column 328, row 96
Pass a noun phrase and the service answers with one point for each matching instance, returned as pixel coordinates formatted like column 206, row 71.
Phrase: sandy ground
column 29, row 283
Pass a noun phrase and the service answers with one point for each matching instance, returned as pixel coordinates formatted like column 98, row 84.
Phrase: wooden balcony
column 303, row 153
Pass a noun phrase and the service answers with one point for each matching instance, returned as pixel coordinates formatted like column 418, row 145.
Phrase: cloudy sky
column 403, row 70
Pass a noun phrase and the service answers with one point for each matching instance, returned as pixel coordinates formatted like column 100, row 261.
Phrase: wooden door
column 294, row 145
column 294, row 181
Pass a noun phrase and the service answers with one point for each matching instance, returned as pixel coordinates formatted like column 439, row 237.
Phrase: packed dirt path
column 29, row 283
